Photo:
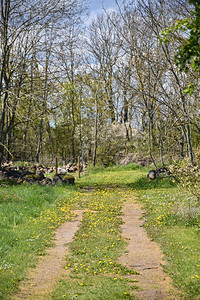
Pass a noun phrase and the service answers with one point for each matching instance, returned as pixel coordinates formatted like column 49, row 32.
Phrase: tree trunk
column 150, row 153
column 95, row 133
column 2, row 126
column 73, row 131
column 161, row 149
column 181, row 147
column 186, row 132
column 189, row 144
column 39, row 141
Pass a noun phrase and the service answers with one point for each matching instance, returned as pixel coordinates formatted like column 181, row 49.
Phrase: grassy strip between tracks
column 94, row 270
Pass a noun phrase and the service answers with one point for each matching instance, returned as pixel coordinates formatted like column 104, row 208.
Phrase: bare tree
column 104, row 46
column 19, row 22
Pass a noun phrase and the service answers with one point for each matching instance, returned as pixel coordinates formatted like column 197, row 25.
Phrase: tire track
column 50, row 268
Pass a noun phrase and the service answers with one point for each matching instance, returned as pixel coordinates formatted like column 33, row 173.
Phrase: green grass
column 28, row 218
column 182, row 249
column 143, row 183
column 101, row 287
column 29, row 215
column 173, row 220
column 96, row 287
column 101, row 169
column 95, row 272
column 111, row 178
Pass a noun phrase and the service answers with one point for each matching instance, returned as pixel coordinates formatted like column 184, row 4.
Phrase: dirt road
column 141, row 254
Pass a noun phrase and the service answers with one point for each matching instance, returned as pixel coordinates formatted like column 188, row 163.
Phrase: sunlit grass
column 95, row 272
column 29, row 216
column 111, row 179
column 96, row 287
column 173, row 220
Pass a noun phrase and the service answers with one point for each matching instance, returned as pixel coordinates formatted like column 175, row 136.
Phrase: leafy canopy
column 188, row 55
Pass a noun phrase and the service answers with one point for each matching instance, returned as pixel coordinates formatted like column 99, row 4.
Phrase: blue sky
column 96, row 7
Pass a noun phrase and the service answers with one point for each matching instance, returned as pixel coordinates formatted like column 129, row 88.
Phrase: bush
column 187, row 176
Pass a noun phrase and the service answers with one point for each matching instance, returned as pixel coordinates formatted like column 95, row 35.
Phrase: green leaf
column 189, row 90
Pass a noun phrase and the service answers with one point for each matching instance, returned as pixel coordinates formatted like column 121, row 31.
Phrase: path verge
column 50, row 268
column 145, row 257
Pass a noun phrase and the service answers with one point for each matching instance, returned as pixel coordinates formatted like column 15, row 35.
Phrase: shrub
column 188, row 177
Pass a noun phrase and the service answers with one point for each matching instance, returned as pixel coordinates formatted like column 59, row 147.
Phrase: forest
column 118, row 93
column 123, row 86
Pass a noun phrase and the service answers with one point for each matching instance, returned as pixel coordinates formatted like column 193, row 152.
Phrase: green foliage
column 189, row 90
column 111, row 143
column 23, row 163
column 188, row 54
column 187, row 176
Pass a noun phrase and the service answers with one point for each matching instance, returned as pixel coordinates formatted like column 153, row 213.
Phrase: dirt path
column 141, row 254
column 51, row 267
column 145, row 257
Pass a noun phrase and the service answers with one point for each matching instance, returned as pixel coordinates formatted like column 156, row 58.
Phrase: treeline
column 103, row 90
